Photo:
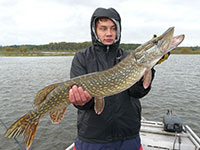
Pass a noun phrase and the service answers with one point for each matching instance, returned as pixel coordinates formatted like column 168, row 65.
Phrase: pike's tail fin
column 25, row 127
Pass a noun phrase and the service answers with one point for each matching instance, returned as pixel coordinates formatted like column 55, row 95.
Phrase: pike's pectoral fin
column 147, row 79
column 57, row 115
column 99, row 105
column 42, row 94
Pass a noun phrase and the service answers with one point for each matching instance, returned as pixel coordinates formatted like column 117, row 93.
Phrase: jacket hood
column 112, row 14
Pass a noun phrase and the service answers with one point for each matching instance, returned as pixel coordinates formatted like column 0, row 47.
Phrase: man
column 117, row 127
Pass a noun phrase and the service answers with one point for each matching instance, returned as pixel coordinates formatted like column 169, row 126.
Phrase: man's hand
column 79, row 97
column 165, row 57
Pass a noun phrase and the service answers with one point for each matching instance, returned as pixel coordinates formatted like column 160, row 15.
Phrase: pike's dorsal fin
column 99, row 105
column 42, row 94
column 147, row 79
column 57, row 115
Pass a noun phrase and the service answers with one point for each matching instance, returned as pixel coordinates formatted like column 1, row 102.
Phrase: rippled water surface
column 176, row 87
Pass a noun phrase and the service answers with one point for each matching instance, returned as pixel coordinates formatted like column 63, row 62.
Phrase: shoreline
column 64, row 54
column 41, row 54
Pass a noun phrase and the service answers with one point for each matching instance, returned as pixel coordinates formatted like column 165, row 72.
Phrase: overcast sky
column 45, row 21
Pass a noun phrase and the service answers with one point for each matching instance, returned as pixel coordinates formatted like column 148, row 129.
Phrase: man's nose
column 109, row 32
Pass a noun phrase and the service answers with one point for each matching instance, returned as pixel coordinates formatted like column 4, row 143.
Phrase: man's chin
column 108, row 43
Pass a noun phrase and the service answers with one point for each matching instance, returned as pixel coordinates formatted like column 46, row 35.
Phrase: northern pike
column 54, row 98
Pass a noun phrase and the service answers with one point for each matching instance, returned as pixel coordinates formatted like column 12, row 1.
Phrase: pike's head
column 150, row 53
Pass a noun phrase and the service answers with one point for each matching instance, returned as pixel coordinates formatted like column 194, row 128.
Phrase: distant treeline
column 68, row 46
column 73, row 47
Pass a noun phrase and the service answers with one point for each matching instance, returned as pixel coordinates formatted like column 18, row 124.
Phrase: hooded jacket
column 120, row 119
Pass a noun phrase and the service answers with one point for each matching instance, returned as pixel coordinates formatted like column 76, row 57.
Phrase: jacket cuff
column 87, row 106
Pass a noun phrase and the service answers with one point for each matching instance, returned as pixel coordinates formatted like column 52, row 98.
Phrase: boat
column 155, row 137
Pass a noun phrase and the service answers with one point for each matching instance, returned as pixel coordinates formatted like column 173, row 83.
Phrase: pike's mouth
column 176, row 40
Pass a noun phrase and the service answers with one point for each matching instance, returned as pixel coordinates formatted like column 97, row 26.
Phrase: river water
column 175, row 87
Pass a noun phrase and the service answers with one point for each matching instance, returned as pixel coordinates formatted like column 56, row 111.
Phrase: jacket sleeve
column 137, row 90
column 78, row 68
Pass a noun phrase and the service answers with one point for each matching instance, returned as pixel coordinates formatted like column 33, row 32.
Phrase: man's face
column 106, row 31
